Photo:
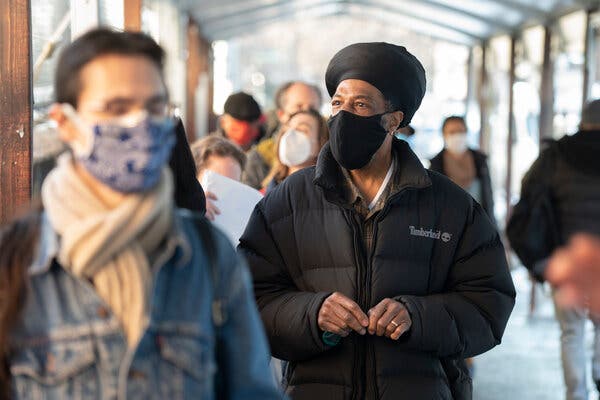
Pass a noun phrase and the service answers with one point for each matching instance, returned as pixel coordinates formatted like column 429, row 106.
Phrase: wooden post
column 199, row 63
column 587, row 54
column 133, row 15
column 15, row 107
column 483, row 101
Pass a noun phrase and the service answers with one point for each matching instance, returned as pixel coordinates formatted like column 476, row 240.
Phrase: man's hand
column 389, row 318
column 340, row 315
column 574, row 271
column 211, row 210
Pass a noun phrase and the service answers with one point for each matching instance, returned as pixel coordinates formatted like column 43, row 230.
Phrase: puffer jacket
column 434, row 249
column 569, row 172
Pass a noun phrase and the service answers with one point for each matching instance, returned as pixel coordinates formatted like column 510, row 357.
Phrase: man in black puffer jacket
column 373, row 276
column 567, row 174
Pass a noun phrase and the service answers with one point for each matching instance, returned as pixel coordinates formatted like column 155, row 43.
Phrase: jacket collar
column 49, row 242
column 409, row 173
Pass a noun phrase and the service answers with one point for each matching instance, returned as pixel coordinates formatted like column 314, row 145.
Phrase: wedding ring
column 394, row 323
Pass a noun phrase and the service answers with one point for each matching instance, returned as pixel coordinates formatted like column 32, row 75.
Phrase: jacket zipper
column 370, row 356
column 358, row 373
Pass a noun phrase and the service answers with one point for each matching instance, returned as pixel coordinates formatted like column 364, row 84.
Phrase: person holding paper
column 221, row 156
column 229, row 202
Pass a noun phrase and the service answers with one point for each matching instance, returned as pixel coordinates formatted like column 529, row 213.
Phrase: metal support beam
column 511, row 128
column 15, row 107
column 488, row 21
column 322, row 10
column 484, row 135
column 547, row 88
column 525, row 9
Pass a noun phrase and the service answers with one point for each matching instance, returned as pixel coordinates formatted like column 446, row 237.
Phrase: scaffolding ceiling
column 462, row 21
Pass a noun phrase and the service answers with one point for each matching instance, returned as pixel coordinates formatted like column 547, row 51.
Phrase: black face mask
column 354, row 139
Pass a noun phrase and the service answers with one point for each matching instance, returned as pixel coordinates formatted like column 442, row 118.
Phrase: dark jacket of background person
column 188, row 192
column 569, row 170
column 303, row 243
column 483, row 174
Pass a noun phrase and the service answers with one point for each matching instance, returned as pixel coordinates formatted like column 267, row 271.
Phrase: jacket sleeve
column 289, row 314
column 244, row 353
column 469, row 317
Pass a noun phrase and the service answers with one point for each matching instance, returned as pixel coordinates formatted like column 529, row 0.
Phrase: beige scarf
column 460, row 169
column 109, row 246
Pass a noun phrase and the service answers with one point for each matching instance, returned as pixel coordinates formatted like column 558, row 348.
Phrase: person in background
column 291, row 97
column 221, row 156
column 298, row 145
column 188, row 192
column 567, row 172
column 368, row 284
column 242, row 123
column 111, row 291
column 466, row 167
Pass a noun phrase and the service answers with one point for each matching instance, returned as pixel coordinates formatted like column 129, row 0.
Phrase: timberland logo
column 430, row 233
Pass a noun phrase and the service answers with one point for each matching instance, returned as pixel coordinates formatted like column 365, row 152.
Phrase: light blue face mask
column 130, row 159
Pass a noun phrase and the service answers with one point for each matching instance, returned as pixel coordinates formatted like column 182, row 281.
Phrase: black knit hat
column 390, row 68
column 242, row 106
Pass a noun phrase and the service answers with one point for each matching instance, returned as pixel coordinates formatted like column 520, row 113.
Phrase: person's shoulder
column 437, row 157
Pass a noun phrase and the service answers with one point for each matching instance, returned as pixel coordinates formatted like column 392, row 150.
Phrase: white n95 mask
column 294, row 148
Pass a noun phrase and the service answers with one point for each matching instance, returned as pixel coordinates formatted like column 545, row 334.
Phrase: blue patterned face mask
column 130, row 159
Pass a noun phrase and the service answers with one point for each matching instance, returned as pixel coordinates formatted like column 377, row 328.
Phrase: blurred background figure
column 242, row 123
column 218, row 155
column 229, row 202
column 221, row 156
column 291, row 97
column 560, row 197
column 466, row 167
column 574, row 270
column 298, row 144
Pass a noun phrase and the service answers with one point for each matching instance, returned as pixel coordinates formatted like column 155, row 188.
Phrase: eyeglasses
column 158, row 107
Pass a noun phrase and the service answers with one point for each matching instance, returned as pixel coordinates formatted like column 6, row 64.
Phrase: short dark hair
column 282, row 90
column 93, row 44
column 453, row 118
column 214, row 145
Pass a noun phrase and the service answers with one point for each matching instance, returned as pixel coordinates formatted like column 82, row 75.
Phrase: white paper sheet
column 236, row 202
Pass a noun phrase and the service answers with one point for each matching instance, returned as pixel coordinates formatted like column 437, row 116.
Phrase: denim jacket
column 69, row 344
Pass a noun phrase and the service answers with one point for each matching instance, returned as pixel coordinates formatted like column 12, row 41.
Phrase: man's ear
column 67, row 130
column 393, row 120
column 281, row 116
